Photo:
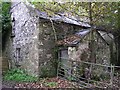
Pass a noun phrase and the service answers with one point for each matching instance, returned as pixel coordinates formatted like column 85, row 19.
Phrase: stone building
column 83, row 47
column 31, row 44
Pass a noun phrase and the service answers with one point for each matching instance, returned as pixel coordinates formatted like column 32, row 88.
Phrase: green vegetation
column 18, row 75
column 51, row 84
column 5, row 21
column 5, row 16
column 70, row 78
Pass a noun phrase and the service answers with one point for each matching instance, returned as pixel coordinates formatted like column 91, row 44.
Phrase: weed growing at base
column 19, row 75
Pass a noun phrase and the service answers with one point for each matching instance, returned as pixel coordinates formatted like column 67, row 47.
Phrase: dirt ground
column 48, row 83
column 43, row 83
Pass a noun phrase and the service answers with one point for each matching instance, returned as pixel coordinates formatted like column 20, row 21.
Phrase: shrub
column 18, row 75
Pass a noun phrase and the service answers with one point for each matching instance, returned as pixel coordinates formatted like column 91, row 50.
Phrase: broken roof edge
column 71, row 40
column 80, row 35
column 62, row 18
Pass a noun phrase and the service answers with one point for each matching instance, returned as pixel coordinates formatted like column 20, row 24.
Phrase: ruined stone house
column 77, row 47
column 31, row 44
column 84, row 46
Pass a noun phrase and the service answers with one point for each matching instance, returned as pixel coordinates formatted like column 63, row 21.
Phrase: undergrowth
column 19, row 75
column 51, row 84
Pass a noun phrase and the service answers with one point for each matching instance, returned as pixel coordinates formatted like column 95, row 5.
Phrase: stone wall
column 80, row 53
column 25, row 28
column 46, row 45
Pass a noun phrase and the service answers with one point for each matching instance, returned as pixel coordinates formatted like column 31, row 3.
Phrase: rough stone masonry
column 30, row 45
column 24, row 36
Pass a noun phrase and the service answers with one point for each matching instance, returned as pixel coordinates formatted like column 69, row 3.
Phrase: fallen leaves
column 47, row 83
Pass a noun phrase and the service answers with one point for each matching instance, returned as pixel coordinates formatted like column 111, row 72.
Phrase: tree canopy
column 5, row 16
column 6, row 21
column 103, row 13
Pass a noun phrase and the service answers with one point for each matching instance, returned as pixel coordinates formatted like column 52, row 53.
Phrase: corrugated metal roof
column 82, row 32
column 108, row 37
column 63, row 18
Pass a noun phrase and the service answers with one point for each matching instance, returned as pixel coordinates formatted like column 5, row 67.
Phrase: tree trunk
column 116, row 60
column 118, row 56
column 117, row 39
column 118, row 36
column 111, row 53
